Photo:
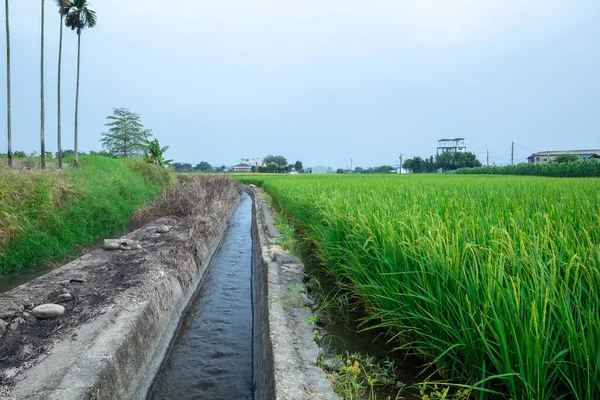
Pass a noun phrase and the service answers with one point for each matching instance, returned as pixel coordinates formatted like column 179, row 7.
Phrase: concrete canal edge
column 285, row 353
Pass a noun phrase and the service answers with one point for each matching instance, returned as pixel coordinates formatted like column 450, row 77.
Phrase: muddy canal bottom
column 211, row 356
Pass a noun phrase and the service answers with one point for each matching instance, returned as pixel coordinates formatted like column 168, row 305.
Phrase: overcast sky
column 317, row 81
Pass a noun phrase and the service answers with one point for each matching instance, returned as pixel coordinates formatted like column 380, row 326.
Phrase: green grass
column 46, row 213
column 494, row 280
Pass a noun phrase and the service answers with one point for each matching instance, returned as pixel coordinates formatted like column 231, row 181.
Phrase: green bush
column 582, row 169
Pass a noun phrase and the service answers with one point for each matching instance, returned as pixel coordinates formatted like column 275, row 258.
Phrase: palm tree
column 42, row 144
column 8, row 88
column 63, row 9
column 80, row 16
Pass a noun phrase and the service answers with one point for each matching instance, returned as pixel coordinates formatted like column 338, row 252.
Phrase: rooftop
column 557, row 152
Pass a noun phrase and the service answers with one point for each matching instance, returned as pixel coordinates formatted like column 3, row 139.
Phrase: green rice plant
column 494, row 280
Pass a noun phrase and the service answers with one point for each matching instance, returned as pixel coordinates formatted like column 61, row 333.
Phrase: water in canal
column 211, row 357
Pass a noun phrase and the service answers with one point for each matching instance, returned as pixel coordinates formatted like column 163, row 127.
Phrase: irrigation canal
column 211, row 356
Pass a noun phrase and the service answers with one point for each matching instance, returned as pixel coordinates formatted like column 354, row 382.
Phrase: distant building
column 254, row 162
column 242, row 168
column 456, row 145
column 544, row 157
column 319, row 169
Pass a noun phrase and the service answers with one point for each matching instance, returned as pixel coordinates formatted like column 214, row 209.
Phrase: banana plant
column 154, row 153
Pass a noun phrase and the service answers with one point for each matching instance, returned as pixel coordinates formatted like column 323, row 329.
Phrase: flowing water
column 211, row 357
column 18, row 277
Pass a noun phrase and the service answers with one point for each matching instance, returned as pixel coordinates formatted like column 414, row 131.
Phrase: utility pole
column 487, row 158
column 350, row 164
column 512, row 154
column 400, row 166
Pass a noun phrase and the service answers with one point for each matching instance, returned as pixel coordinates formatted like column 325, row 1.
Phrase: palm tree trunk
column 42, row 144
column 76, row 161
column 59, row 139
column 8, row 127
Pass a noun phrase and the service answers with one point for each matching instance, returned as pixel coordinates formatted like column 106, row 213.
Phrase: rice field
column 493, row 279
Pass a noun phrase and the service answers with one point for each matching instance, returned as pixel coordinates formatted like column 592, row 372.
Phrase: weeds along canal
column 211, row 356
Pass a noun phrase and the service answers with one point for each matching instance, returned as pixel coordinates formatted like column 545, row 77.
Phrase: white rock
column 162, row 229
column 64, row 297
column 123, row 244
column 48, row 310
column 2, row 326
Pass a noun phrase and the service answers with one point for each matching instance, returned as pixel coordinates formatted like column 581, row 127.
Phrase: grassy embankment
column 495, row 280
column 46, row 213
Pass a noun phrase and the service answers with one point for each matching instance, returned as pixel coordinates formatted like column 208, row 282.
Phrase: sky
column 321, row 81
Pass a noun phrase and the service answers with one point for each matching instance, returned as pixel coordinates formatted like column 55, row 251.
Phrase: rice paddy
column 492, row 279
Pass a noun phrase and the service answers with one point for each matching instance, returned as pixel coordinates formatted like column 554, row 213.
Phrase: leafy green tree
column 272, row 167
column 445, row 161
column 203, row 166
column 79, row 17
column 183, row 167
column 416, row 165
column 279, row 160
column 126, row 135
column 42, row 116
column 566, row 158
column 451, row 161
column 154, row 153
column 63, row 9
column 8, row 111
column 298, row 166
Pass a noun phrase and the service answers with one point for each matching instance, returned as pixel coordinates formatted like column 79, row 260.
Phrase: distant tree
column 203, row 166
column 102, row 153
column 430, row 164
column 126, row 136
column 416, row 165
column 384, row 169
column 272, row 167
column 154, row 153
column 80, row 16
column 451, row 161
column 466, row 160
column 19, row 154
column 566, row 158
column 445, row 161
column 340, row 171
column 8, row 111
column 67, row 153
column 279, row 160
column 358, row 170
column 288, row 168
column 298, row 166
column 182, row 167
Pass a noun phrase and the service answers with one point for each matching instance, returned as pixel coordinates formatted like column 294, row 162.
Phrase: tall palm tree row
column 79, row 17
column 63, row 9
column 42, row 117
column 8, row 127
